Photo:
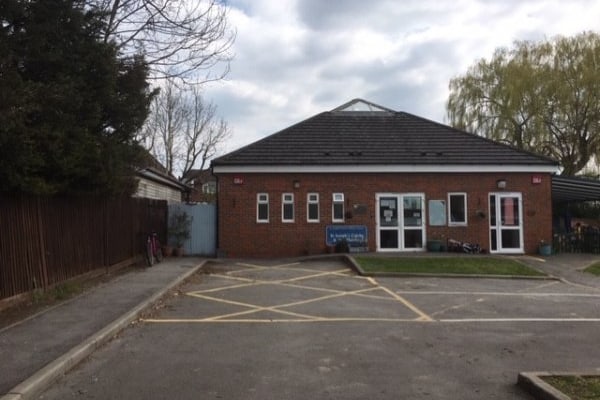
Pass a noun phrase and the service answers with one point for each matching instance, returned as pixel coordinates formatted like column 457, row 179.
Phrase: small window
column 262, row 207
column 457, row 209
column 338, row 207
column 209, row 188
column 312, row 212
column 287, row 207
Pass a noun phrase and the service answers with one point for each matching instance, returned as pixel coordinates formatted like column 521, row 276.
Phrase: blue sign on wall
column 355, row 235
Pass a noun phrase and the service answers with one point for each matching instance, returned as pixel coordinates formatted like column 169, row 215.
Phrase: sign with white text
column 355, row 235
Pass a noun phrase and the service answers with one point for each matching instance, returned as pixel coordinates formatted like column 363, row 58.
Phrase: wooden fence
column 45, row 241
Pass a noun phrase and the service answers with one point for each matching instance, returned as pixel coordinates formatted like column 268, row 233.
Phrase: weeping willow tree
column 542, row 97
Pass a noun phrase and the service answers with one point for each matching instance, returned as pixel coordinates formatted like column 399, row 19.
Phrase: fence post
column 105, row 223
column 43, row 255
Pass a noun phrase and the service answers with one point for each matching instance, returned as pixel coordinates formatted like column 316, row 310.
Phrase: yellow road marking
column 411, row 306
column 278, row 308
column 415, row 309
column 300, row 278
column 262, row 321
column 351, row 319
column 293, row 282
column 267, row 266
column 254, row 282
column 228, row 316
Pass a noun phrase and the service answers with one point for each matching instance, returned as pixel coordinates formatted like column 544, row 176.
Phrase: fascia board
column 315, row 169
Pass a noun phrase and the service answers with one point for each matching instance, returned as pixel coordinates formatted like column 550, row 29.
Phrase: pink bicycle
column 153, row 250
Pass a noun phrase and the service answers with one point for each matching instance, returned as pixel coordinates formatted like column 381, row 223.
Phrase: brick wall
column 241, row 236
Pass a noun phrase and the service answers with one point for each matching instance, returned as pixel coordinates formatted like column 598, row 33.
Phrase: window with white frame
column 312, row 207
column 338, row 207
column 209, row 188
column 457, row 209
column 262, row 207
column 287, row 207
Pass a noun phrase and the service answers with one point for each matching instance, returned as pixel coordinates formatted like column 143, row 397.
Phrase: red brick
column 241, row 236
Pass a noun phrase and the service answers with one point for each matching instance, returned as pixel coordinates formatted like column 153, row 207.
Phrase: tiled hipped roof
column 386, row 137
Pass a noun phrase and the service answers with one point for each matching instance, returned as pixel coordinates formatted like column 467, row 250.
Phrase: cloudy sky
column 296, row 58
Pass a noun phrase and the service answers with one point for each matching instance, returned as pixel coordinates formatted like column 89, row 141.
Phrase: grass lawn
column 593, row 269
column 468, row 265
column 576, row 387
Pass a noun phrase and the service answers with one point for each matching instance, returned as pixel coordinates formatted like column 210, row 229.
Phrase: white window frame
column 313, row 201
column 286, row 200
column 337, row 198
column 262, row 201
column 209, row 187
column 457, row 223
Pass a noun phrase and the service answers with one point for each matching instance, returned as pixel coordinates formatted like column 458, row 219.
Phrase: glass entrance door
column 400, row 221
column 506, row 223
column 388, row 223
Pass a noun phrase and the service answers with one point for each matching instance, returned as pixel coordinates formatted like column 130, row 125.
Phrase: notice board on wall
column 437, row 212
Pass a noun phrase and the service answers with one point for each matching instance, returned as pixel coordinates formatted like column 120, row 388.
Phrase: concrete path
column 568, row 267
column 35, row 350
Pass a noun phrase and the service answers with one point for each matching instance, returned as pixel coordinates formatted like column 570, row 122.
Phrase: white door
column 506, row 223
column 400, row 221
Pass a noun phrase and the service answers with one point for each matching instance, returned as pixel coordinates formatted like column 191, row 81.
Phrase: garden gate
column 203, row 240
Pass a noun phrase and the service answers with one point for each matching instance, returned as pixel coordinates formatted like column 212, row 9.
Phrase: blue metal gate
column 203, row 241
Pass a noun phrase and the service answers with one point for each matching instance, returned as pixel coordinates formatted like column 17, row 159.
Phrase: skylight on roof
column 359, row 105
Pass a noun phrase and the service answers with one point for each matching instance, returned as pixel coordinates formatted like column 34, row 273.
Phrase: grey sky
column 296, row 58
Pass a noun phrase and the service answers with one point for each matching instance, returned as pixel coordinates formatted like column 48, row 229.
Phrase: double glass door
column 506, row 223
column 400, row 222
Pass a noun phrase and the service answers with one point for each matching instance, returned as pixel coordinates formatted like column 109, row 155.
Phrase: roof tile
column 376, row 138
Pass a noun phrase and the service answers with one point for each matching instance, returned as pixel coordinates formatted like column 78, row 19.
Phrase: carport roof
column 570, row 188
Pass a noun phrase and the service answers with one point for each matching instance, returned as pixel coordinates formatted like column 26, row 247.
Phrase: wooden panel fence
column 45, row 241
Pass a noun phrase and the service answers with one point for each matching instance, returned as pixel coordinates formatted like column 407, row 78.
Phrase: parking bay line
column 271, row 321
column 517, row 294
column 490, row 320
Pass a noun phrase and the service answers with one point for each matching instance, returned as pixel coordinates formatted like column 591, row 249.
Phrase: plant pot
column 178, row 251
column 167, row 251
column 545, row 250
column 434, row 245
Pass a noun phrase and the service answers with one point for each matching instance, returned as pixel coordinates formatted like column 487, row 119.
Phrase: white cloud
column 297, row 58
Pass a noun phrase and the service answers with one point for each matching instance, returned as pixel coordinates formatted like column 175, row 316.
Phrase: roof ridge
column 358, row 100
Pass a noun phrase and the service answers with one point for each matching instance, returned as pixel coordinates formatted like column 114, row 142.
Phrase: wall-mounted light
column 296, row 184
column 501, row 183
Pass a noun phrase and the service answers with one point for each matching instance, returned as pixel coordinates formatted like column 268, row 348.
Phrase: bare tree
column 184, row 39
column 184, row 131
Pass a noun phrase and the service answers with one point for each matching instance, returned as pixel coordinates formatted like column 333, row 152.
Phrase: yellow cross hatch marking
column 294, row 282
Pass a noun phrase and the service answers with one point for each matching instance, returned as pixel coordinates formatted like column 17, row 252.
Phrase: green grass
column 577, row 387
column 467, row 265
column 60, row 292
column 593, row 269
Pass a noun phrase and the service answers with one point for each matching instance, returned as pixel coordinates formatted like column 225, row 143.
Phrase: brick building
column 383, row 181
column 203, row 186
